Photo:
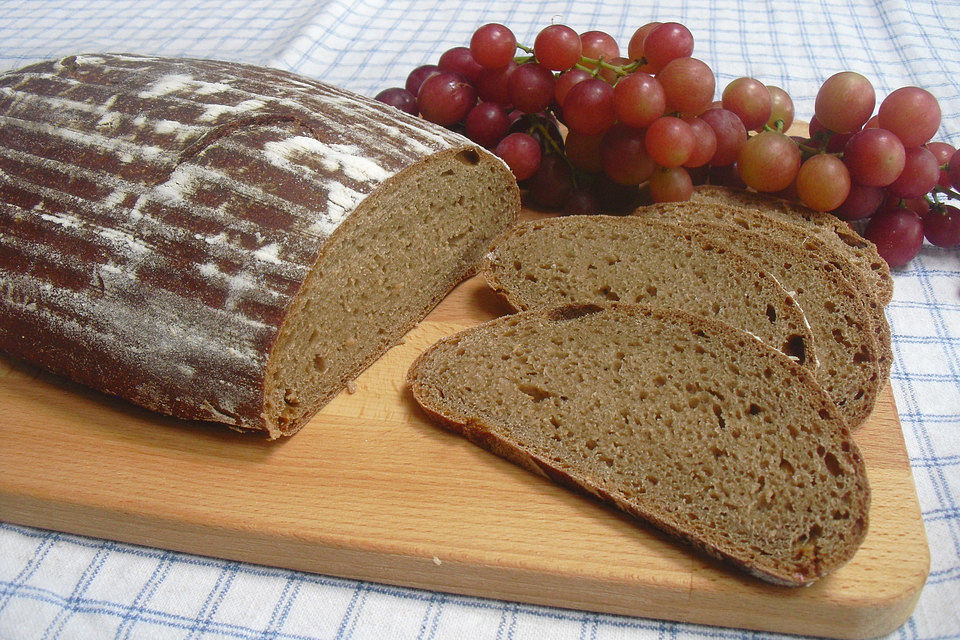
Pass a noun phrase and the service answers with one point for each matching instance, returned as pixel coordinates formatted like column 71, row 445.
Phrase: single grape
column 487, row 124
column 823, row 182
column 531, row 87
column 552, row 184
column 624, row 157
column 953, row 170
column 897, row 233
column 781, row 107
column 493, row 85
column 912, row 114
column 670, row 141
column 493, row 46
column 705, row 143
column 418, row 75
column 750, row 100
column 582, row 202
column 919, row 176
column 942, row 152
column 920, row 206
column 862, row 202
column 557, row 47
column 769, row 161
column 588, row 107
column 584, row 151
column 460, row 60
column 598, row 44
column 671, row 184
column 566, row 81
column 639, row 99
column 827, row 139
column 521, row 153
column 610, row 75
column 688, row 84
column 399, row 98
column 875, row 157
column 845, row 102
column 635, row 48
column 941, row 226
column 446, row 98
column 730, row 135
column 669, row 41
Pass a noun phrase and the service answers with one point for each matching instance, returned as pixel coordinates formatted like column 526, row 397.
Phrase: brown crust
column 483, row 435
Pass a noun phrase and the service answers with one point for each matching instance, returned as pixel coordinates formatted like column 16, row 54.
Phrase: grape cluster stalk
column 645, row 127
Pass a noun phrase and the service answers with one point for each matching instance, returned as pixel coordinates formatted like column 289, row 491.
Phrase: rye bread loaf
column 755, row 221
column 846, row 340
column 831, row 229
column 225, row 242
column 595, row 259
column 682, row 421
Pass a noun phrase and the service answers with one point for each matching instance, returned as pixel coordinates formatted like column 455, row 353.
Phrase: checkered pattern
column 54, row 585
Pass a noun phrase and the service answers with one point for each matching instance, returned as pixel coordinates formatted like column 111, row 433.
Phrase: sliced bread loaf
column 682, row 421
column 842, row 327
column 640, row 260
column 828, row 227
column 753, row 220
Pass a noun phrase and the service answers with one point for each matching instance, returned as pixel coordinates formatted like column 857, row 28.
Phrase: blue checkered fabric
column 55, row 585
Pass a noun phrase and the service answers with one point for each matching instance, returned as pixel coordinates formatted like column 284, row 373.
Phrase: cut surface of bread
column 846, row 340
column 753, row 220
column 599, row 259
column 676, row 419
column 828, row 227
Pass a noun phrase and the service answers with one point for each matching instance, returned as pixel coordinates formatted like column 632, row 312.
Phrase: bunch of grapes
column 645, row 127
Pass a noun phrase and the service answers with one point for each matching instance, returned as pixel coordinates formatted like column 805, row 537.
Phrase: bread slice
column 828, row 227
column 225, row 242
column 752, row 220
column 637, row 260
column 679, row 420
column 846, row 340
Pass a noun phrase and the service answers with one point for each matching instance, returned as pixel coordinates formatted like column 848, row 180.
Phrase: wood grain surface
column 371, row 489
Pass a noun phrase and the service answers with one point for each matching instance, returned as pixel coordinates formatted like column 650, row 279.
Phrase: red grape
column 521, row 153
column 611, row 75
column 557, row 47
column 418, row 75
column 919, row 176
column 598, row 44
column 750, row 100
column 845, row 101
column 943, row 152
column 730, row 135
column 781, row 107
column 689, row 85
column 493, row 85
column 898, row 234
column 531, row 87
column 493, row 46
column 669, row 41
column 582, row 202
column 638, row 99
column 566, row 81
column 941, row 226
column 875, row 157
column 588, row 107
column 584, row 151
column 705, row 142
column 552, row 184
column 862, row 202
column 446, row 98
column 399, row 98
column 671, row 184
column 834, row 141
column 670, row 141
column 460, row 60
column 912, row 114
column 624, row 156
column 823, row 182
column 953, row 170
column 872, row 123
column 769, row 161
column 487, row 123
column 635, row 48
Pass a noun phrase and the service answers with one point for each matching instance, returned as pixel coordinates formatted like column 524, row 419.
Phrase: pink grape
column 584, row 151
column 670, row 141
column 912, row 114
column 624, row 156
column 588, row 107
column 669, row 41
column 874, row 157
column 862, row 202
column 487, row 124
column 399, row 98
column 493, row 85
column 531, row 87
column 953, row 170
column 750, row 100
column 521, row 153
column 460, row 60
column 418, row 75
column 598, row 44
column 823, row 182
column 566, row 81
column 493, row 46
column 943, row 152
column 689, row 85
column 781, row 107
column 845, row 102
column 635, row 48
column 919, row 176
column 557, row 47
column 834, row 141
column 446, row 98
column 730, row 135
column 941, row 226
column 639, row 99
column 897, row 233
column 671, row 184
column 769, row 161
column 705, row 142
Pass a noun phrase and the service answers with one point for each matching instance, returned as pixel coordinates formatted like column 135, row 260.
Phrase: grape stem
column 600, row 63
column 524, row 48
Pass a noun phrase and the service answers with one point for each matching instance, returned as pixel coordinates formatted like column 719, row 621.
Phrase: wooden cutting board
column 370, row 489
